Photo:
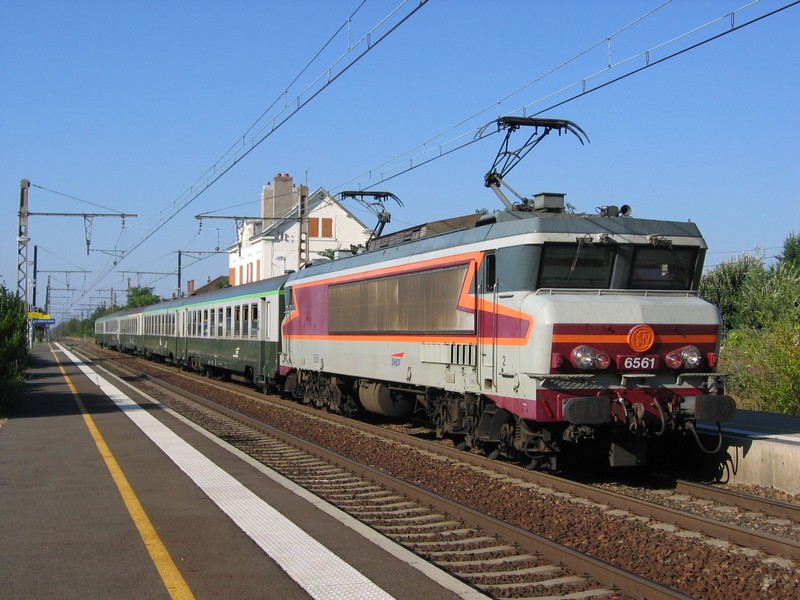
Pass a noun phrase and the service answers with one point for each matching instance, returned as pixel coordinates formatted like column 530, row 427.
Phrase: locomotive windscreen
column 663, row 268
column 580, row 266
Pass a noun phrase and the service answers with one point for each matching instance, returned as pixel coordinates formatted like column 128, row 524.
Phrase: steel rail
column 774, row 508
column 766, row 542
column 606, row 574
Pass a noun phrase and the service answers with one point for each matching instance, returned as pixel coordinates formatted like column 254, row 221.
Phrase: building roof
column 314, row 200
column 212, row 285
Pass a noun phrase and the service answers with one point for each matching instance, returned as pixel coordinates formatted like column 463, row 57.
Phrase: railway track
column 498, row 552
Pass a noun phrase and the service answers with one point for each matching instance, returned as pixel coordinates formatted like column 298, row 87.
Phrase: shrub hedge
column 14, row 354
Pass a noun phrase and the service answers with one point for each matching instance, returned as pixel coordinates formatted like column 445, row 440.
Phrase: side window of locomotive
column 489, row 272
column 579, row 266
column 663, row 268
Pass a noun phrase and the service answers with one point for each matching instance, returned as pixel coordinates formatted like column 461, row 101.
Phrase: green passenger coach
column 231, row 331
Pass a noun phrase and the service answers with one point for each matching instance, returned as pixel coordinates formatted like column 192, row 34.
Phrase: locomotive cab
column 622, row 349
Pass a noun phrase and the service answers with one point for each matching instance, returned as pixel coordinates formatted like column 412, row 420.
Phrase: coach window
column 245, row 320
column 265, row 325
column 228, row 323
column 237, row 320
column 212, row 327
column 254, row 320
column 220, row 319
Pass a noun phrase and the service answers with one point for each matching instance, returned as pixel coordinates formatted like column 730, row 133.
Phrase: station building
column 295, row 228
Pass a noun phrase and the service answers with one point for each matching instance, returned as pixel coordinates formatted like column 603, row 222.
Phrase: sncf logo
column 396, row 358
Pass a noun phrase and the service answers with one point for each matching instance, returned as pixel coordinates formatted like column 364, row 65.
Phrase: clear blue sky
column 127, row 104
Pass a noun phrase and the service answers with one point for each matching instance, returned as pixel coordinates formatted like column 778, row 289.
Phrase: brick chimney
column 190, row 287
column 277, row 199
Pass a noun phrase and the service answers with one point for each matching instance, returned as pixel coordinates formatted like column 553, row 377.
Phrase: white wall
column 277, row 255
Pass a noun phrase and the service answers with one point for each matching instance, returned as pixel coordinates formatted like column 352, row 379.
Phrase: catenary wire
column 192, row 194
column 476, row 134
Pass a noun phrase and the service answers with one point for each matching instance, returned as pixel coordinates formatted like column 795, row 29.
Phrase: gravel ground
column 689, row 562
column 697, row 566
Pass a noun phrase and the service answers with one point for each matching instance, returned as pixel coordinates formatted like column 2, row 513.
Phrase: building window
column 320, row 227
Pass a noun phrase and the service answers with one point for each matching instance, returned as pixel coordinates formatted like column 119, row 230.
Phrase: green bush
column 764, row 367
column 770, row 297
column 760, row 310
column 14, row 354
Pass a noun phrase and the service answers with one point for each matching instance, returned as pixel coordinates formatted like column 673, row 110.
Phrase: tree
column 791, row 251
column 725, row 287
column 141, row 296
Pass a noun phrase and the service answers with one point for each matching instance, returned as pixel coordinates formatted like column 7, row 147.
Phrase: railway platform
column 106, row 494
column 762, row 449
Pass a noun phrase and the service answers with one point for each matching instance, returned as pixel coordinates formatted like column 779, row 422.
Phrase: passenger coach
column 231, row 331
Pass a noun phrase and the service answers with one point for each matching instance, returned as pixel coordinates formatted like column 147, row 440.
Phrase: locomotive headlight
column 688, row 357
column 691, row 357
column 584, row 357
column 674, row 360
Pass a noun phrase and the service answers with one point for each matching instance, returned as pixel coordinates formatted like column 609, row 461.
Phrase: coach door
column 487, row 323
column 262, row 327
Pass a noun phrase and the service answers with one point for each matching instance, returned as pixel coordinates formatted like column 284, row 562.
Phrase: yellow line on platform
column 172, row 578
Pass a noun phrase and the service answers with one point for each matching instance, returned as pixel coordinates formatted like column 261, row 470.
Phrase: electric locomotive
column 529, row 332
